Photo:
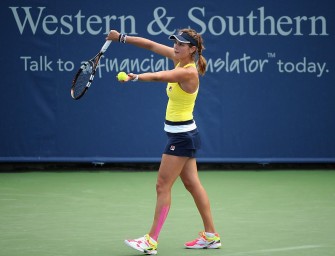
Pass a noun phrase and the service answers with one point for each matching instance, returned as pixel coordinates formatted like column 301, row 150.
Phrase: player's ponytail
column 198, row 57
column 201, row 63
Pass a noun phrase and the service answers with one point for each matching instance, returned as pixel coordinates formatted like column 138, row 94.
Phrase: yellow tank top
column 181, row 104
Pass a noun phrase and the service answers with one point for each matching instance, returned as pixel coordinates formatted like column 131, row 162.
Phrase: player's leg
column 169, row 170
column 190, row 178
column 192, row 183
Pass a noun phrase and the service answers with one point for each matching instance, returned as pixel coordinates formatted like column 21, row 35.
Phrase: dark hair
column 201, row 61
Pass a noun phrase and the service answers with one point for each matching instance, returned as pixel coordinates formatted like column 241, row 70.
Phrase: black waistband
column 179, row 123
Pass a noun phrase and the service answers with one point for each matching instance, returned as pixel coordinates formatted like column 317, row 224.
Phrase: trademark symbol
column 271, row 55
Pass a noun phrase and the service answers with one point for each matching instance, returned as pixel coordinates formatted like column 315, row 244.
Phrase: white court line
column 302, row 247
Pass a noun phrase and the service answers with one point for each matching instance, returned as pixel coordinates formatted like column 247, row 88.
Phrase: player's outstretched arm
column 142, row 42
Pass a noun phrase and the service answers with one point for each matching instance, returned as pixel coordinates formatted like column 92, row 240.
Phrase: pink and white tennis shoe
column 144, row 244
column 205, row 241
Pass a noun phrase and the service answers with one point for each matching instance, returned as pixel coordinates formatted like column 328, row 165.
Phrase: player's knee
column 190, row 186
column 162, row 187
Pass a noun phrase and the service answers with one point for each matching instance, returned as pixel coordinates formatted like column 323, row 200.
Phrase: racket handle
column 105, row 46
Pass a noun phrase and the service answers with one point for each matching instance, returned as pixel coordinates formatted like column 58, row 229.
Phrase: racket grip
column 105, row 46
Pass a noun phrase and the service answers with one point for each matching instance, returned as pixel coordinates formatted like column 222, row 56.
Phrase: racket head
column 83, row 79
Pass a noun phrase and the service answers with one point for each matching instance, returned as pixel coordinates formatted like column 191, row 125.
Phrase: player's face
column 182, row 50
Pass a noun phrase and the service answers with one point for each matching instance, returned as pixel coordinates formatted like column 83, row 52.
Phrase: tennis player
column 183, row 141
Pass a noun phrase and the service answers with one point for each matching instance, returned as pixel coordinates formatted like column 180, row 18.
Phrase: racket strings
column 82, row 79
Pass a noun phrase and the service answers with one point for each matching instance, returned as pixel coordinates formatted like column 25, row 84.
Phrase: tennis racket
column 85, row 75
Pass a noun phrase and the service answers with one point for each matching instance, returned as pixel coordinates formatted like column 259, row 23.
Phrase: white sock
column 209, row 234
column 152, row 240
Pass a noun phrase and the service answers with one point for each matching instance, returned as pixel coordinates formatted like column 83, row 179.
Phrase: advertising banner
column 268, row 94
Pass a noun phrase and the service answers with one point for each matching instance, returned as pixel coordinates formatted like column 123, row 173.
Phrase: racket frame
column 95, row 60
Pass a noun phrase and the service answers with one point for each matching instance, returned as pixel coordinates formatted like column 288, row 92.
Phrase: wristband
column 122, row 38
column 135, row 79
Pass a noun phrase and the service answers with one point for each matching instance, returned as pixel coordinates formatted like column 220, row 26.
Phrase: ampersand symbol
column 158, row 21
